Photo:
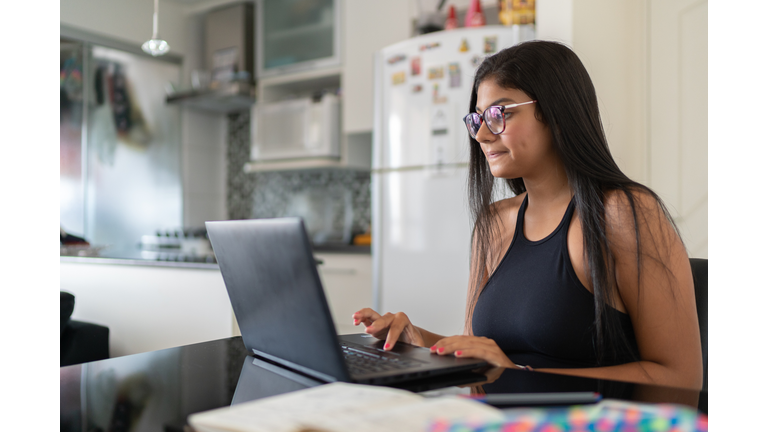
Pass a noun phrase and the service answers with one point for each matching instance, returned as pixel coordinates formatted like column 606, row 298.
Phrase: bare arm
column 660, row 302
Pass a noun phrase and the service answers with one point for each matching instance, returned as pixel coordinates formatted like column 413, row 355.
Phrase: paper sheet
column 343, row 407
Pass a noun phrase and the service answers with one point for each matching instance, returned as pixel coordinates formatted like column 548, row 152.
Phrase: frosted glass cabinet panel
column 297, row 35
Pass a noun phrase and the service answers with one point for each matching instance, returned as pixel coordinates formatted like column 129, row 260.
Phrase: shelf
column 231, row 97
column 300, row 164
column 308, row 77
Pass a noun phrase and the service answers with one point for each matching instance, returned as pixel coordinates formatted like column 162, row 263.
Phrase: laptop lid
column 276, row 294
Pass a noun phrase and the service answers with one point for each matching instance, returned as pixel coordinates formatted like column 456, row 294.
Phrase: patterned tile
column 332, row 201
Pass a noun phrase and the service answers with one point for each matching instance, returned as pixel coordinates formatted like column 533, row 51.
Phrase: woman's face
column 525, row 146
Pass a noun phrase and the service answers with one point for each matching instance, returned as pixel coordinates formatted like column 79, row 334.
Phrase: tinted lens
column 473, row 122
column 494, row 118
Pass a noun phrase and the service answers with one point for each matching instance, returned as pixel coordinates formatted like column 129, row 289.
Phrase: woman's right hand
column 389, row 327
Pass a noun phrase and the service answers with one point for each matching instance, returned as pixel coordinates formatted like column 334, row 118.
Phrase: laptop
column 279, row 303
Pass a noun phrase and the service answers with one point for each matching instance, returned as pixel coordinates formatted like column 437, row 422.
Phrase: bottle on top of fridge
column 475, row 16
column 451, row 22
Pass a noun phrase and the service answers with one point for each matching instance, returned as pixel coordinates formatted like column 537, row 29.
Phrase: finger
column 366, row 313
column 450, row 344
column 380, row 327
column 396, row 327
column 480, row 353
column 366, row 316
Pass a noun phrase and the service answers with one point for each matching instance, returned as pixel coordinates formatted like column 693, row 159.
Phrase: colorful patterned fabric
column 606, row 416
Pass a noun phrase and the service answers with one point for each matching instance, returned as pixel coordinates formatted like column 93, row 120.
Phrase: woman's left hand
column 475, row 347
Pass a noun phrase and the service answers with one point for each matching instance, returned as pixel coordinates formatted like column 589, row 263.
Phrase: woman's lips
column 493, row 154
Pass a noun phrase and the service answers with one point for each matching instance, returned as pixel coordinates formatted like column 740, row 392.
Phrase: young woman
column 582, row 272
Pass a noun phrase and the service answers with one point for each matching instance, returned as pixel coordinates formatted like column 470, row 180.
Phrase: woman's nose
column 484, row 134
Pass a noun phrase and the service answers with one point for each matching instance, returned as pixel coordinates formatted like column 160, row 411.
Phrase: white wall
column 610, row 38
column 554, row 20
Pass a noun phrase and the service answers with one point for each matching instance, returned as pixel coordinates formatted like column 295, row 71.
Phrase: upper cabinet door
column 369, row 25
column 296, row 35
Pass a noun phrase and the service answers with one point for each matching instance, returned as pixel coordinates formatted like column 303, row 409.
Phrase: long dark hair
column 553, row 75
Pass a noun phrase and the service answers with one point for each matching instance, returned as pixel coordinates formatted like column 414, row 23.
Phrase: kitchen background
column 188, row 152
column 332, row 202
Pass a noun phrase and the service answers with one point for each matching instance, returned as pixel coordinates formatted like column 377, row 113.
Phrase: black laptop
column 279, row 303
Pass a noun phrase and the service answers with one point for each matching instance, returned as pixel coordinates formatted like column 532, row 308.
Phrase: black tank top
column 536, row 309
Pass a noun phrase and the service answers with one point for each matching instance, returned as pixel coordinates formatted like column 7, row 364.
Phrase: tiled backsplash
column 332, row 201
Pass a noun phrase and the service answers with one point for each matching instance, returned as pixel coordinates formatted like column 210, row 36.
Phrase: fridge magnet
column 429, row 46
column 398, row 78
column 490, row 44
column 435, row 72
column 476, row 60
column 437, row 98
column 454, row 75
column 464, row 47
column 416, row 66
column 417, row 88
column 396, row 59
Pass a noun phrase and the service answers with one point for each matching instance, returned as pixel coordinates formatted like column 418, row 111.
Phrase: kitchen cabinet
column 365, row 27
column 297, row 35
column 347, row 282
column 148, row 308
column 368, row 27
column 152, row 307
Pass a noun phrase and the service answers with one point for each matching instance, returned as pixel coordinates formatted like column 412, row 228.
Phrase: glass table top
column 158, row 390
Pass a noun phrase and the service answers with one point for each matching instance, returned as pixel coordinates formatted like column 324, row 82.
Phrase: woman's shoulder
column 509, row 206
column 623, row 205
column 635, row 213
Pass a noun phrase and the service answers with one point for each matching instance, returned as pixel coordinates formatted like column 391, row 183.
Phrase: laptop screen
column 276, row 294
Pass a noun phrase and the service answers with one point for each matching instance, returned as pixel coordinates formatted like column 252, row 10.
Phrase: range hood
column 230, row 97
column 228, row 61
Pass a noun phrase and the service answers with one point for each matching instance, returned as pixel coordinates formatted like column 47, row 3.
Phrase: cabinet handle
column 332, row 270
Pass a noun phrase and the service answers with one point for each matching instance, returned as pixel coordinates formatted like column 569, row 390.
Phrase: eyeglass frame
column 503, row 119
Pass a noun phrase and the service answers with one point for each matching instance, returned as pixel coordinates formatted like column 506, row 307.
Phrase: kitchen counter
column 137, row 262
column 150, row 304
column 138, row 257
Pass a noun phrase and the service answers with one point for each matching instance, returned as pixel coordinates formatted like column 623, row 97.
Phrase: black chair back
column 700, row 275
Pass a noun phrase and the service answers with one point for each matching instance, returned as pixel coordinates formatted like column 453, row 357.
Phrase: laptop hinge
column 295, row 367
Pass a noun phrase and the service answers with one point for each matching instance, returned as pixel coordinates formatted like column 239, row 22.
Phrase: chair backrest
column 67, row 306
column 700, row 275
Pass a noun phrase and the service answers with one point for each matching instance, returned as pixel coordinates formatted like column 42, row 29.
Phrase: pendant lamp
column 155, row 46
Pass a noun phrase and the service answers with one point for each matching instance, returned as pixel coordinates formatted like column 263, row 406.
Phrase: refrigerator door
column 424, row 247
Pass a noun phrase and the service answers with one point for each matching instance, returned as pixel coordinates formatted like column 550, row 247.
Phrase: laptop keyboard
column 363, row 359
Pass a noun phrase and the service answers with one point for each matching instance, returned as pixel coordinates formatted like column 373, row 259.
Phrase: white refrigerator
column 421, row 225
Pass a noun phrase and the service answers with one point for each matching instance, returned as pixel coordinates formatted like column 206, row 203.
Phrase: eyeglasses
column 494, row 118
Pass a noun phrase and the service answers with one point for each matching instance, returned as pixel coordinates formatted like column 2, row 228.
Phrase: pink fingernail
column 440, row 350
column 386, row 346
column 433, row 348
column 458, row 353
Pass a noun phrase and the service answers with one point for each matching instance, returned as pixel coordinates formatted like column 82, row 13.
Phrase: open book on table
column 344, row 407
